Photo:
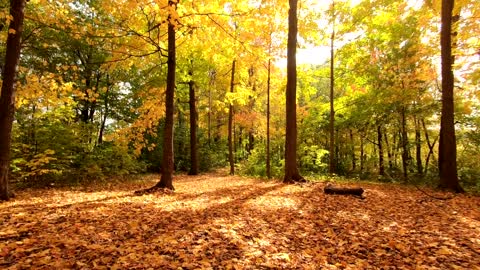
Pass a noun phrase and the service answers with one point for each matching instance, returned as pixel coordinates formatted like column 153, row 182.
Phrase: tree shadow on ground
column 251, row 225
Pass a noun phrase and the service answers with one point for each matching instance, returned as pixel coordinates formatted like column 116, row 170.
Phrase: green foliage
column 114, row 77
column 314, row 159
column 255, row 164
column 54, row 150
column 106, row 160
column 468, row 156
column 212, row 155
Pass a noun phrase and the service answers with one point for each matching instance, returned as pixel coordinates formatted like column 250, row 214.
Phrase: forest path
column 217, row 221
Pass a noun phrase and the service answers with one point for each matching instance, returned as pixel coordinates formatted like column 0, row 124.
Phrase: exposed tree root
column 154, row 189
column 297, row 178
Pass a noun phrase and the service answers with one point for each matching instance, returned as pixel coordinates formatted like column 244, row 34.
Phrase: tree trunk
column 230, row 124
column 105, row 113
column 251, row 142
column 166, row 181
column 447, row 148
column 193, row 129
column 395, row 147
column 93, row 104
column 362, row 155
column 209, row 120
column 237, row 142
column 269, row 171
column 7, row 98
column 405, row 156
column 331, row 163
column 389, row 151
column 179, row 145
column 381, row 166
column 291, row 170
column 418, row 147
column 430, row 146
column 352, row 141
column 250, row 135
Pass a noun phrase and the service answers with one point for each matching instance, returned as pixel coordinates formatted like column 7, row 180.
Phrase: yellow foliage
column 150, row 113
column 46, row 91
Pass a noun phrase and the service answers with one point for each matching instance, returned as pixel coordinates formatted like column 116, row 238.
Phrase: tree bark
column 330, row 189
column 447, row 148
column 405, row 156
column 166, row 181
column 381, row 166
column 418, row 146
column 395, row 147
column 7, row 98
column 193, row 129
column 331, row 163
column 352, row 141
column 105, row 112
column 212, row 75
column 269, row 171
column 389, row 151
column 362, row 154
column 430, row 146
column 230, row 124
column 291, row 170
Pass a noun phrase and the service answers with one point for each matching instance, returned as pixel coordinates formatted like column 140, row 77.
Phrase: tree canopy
column 93, row 76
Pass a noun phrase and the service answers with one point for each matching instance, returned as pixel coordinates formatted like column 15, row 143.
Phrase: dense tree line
column 105, row 89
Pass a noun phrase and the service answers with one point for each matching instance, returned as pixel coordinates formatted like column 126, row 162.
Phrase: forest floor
column 215, row 221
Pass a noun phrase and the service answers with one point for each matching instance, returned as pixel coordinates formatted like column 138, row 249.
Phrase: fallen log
column 330, row 189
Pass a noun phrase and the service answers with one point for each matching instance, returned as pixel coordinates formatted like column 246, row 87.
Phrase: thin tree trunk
column 381, row 166
column 331, row 163
column 251, row 142
column 405, row 156
column 447, row 148
column 389, row 151
column 210, row 85
column 7, row 98
column 105, row 113
column 430, row 146
column 230, row 124
column 418, row 146
column 237, row 142
column 179, row 145
column 291, row 170
column 354, row 163
column 193, row 129
column 269, row 172
column 93, row 104
column 166, row 181
column 395, row 147
column 362, row 155
column 250, row 135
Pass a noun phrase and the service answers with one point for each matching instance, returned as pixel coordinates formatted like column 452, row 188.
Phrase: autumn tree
column 166, row 180
column 291, row 170
column 193, row 126
column 447, row 149
column 7, row 98
column 331, row 165
column 268, row 167
column 230, row 123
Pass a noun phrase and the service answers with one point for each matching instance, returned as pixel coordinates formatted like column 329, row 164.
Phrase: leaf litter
column 214, row 221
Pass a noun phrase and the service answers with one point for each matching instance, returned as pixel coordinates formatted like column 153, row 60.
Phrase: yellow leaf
column 444, row 251
column 9, row 18
column 12, row 31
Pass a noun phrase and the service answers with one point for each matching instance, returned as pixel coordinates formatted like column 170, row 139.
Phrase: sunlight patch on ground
column 218, row 221
column 273, row 203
